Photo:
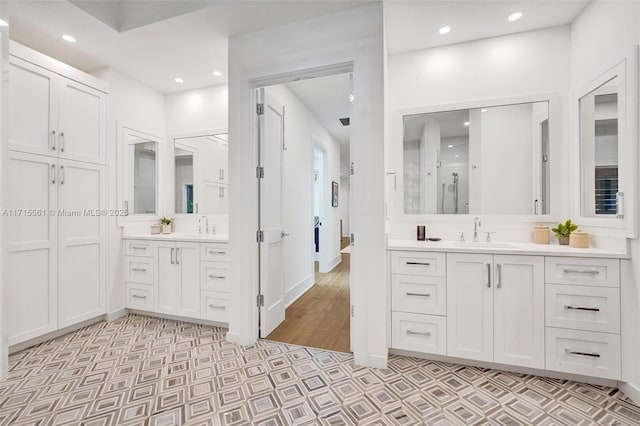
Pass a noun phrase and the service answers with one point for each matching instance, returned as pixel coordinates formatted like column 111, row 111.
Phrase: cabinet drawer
column 419, row 333
column 419, row 295
column 583, row 352
column 582, row 271
column 139, row 296
column 139, row 270
column 418, row 263
column 214, row 276
column 215, row 252
column 215, row 306
column 583, row 308
column 138, row 248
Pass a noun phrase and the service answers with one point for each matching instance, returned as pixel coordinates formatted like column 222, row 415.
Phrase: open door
column 271, row 135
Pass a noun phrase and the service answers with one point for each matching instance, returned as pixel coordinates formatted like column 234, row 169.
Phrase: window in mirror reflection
column 143, row 155
column 599, row 150
column 201, row 176
column 492, row 160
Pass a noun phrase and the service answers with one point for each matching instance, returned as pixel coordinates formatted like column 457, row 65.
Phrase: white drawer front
column 583, row 308
column 419, row 333
column 215, row 306
column 582, row 271
column 419, row 295
column 583, row 352
column 214, row 276
column 418, row 263
column 139, row 270
column 139, row 296
column 138, row 248
column 215, row 252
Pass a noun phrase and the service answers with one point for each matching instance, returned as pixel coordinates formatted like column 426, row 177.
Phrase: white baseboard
column 370, row 360
column 179, row 318
column 335, row 262
column 54, row 334
column 631, row 390
column 110, row 316
column 298, row 290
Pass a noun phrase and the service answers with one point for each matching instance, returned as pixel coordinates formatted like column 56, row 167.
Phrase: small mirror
column 201, row 176
column 141, row 185
column 599, row 114
column 486, row 160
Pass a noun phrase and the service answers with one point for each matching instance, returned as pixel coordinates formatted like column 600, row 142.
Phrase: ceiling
column 153, row 41
column 413, row 25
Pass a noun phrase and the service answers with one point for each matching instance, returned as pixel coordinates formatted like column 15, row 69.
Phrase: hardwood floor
column 320, row 317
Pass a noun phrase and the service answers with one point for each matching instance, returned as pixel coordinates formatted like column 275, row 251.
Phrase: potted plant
column 166, row 225
column 563, row 231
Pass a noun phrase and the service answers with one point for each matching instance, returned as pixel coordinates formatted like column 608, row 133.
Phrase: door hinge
column 352, row 168
column 260, row 109
column 260, row 236
column 260, row 172
column 352, row 239
column 260, row 300
column 352, row 311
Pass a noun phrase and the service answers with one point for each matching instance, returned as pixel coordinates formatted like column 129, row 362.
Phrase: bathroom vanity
column 543, row 307
column 183, row 275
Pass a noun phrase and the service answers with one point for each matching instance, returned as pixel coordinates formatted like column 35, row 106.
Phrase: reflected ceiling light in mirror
column 217, row 73
column 515, row 16
column 178, row 80
column 449, row 146
column 483, row 110
column 444, row 30
column 466, row 123
column 3, row 23
column 67, row 37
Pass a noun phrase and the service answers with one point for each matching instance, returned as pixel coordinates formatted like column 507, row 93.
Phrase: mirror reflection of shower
column 453, row 173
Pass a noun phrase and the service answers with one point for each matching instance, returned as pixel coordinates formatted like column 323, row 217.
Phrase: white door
column 82, row 242
column 187, row 259
column 82, row 127
column 272, row 313
column 166, row 276
column 470, row 306
column 519, row 311
column 31, row 244
column 32, row 111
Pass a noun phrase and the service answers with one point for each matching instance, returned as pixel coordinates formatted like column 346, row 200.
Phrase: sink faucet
column 476, row 224
column 206, row 219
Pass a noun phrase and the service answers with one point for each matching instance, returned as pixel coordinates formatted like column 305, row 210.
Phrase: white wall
column 141, row 108
column 302, row 131
column 352, row 36
column 343, row 204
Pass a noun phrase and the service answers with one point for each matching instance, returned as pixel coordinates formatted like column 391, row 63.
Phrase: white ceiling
column 190, row 45
column 413, row 25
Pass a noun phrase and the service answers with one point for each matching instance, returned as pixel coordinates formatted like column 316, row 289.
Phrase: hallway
column 320, row 317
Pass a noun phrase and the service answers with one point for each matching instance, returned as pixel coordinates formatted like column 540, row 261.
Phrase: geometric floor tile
column 140, row 370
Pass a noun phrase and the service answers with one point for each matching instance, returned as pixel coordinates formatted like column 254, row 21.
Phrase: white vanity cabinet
column 178, row 279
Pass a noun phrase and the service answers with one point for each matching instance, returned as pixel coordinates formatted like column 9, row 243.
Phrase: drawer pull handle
column 581, row 271
column 419, row 333
column 217, row 277
column 418, row 263
column 139, row 269
column 217, row 252
column 217, row 307
column 419, row 294
column 138, row 247
column 137, row 296
column 581, row 308
column 591, row 354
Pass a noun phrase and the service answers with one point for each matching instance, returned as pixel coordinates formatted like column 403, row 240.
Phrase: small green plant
column 166, row 221
column 565, row 229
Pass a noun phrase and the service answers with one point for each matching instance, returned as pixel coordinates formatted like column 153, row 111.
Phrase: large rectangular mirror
column 141, row 191
column 200, row 174
column 485, row 160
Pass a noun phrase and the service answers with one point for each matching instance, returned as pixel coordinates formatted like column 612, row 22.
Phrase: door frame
column 323, row 255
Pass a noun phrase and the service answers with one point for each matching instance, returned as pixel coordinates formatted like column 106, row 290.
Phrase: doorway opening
column 304, row 136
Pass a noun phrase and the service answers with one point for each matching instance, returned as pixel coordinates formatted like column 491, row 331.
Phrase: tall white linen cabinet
column 55, row 196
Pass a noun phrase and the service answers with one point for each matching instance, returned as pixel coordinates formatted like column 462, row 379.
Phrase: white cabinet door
column 470, row 306
column 82, row 124
column 519, row 310
column 31, row 244
column 32, row 99
column 166, row 279
column 188, row 266
column 82, row 242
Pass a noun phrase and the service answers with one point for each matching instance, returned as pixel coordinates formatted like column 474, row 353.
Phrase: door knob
column 284, row 234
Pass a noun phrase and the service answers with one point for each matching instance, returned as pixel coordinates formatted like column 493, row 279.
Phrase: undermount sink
column 484, row 245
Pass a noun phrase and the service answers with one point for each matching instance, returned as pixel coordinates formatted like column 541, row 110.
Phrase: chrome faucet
column 200, row 224
column 476, row 224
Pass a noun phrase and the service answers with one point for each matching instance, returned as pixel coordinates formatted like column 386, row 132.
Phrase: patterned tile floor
column 146, row 371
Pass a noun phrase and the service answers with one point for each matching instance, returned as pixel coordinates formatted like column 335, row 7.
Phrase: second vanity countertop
column 181, row 236
column 504, row 248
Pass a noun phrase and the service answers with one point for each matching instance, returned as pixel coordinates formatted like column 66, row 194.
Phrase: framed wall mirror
column 201, row 178
column 489, row 158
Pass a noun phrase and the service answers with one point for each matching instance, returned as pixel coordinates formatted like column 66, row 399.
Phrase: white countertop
column 504, row 248
column 181, row 236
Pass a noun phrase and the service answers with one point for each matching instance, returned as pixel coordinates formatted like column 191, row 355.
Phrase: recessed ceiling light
column 449, row 146
column 457, row 156
column 466, row 123
column 483, row 110
column 178, row 80
column 70, row 39
column 217, row 74
column 444, row 30
column 3, row 23
column 515, row 16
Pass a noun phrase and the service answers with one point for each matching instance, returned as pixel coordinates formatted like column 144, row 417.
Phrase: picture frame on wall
column 334, row 194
